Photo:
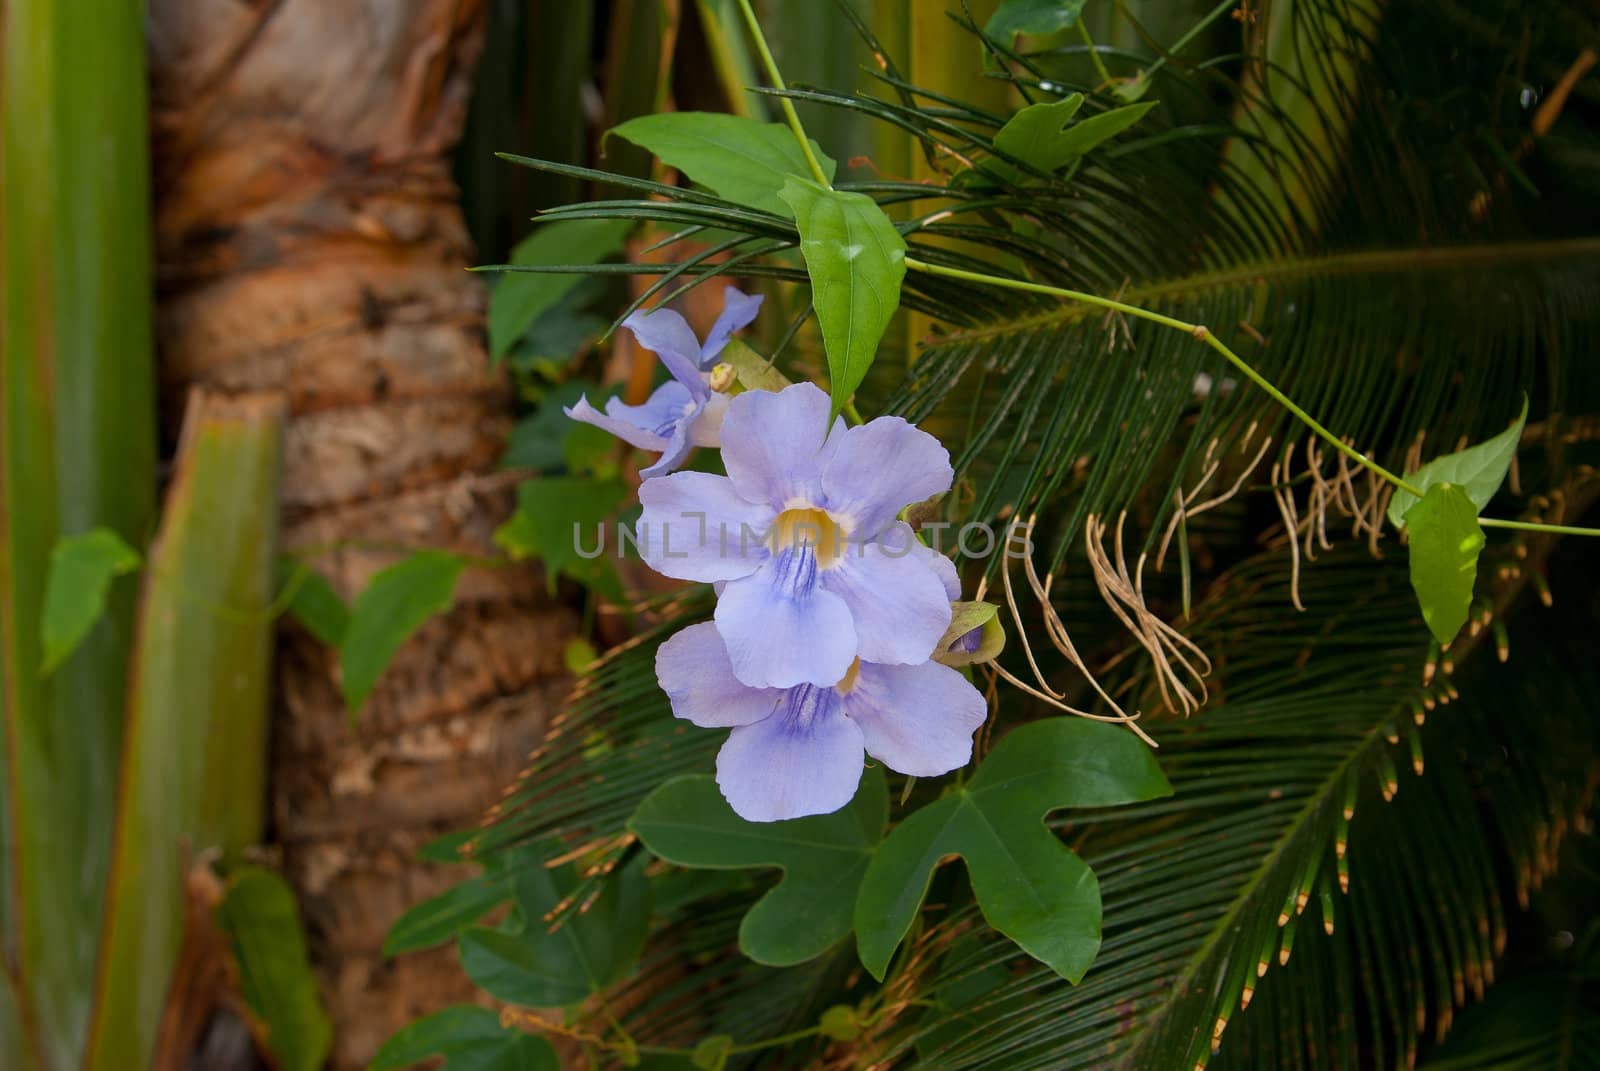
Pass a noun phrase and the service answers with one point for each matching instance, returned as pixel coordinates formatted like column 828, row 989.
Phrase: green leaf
column 519, row 297
column 81, row 570
column 1039, row 135
column 436, row 921
column 540, row 441
column 393, row 606
column 1029, row 885
column 1033, row 133
column 1445, row 541
column 563, row 330
column 559, row 515
column 1031, row 16
column 469, row 1038
column 590, row 451
column 855, row 259
column 315, row 604
column 740, row 159
column 1477, row 470
column 686, row 821
column 588, row 951
column 259, row 915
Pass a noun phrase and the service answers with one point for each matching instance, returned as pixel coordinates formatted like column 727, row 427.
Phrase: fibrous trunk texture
column 309, row 241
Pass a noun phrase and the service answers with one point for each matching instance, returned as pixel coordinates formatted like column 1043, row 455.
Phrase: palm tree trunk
column 309, row 241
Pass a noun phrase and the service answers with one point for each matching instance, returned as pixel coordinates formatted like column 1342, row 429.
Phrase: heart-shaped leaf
column 396, row 603
column 81, row 570
column 1029, row 885
column 686, row 821
column 739, row 159
column 1477, row 470
column 1445, row 540
column 856, row 260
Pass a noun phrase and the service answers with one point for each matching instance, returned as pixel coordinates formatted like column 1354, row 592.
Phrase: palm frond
column 1207, row 893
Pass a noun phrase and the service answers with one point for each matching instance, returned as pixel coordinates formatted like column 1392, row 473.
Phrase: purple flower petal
column 668, row 405
column 941, row 565
column 695, row 527
column 695, row 673
column 968, row 641
column 706, row 427
column 737, row 311
column 773, row 444
column 668, row 335
column 918, row 720
column 782, row 629
column 896, row 597
column 645, row 438
column 880, row 468
column 805, row 759
column 672, row 454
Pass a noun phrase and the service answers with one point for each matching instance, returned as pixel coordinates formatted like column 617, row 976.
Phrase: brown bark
column 309, row 241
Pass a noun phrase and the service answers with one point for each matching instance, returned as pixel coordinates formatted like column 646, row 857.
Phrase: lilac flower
column 798, row 751
column 684, row 411
column 803, row 530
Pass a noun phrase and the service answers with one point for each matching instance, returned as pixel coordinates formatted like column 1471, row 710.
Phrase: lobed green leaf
column 1029, row 885
column 687, row 822
column 588, row 950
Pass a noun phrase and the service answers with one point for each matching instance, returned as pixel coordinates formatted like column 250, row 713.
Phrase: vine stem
column 1203, row 334
column 1094, row 53
column 1197, row 331
column 1535, row 526
column 785, row 103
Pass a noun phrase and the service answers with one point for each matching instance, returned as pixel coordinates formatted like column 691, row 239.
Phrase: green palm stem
column 1203, row 334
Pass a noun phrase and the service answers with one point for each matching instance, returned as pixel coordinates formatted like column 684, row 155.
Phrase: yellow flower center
column 808, row 528
column 851, row 675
